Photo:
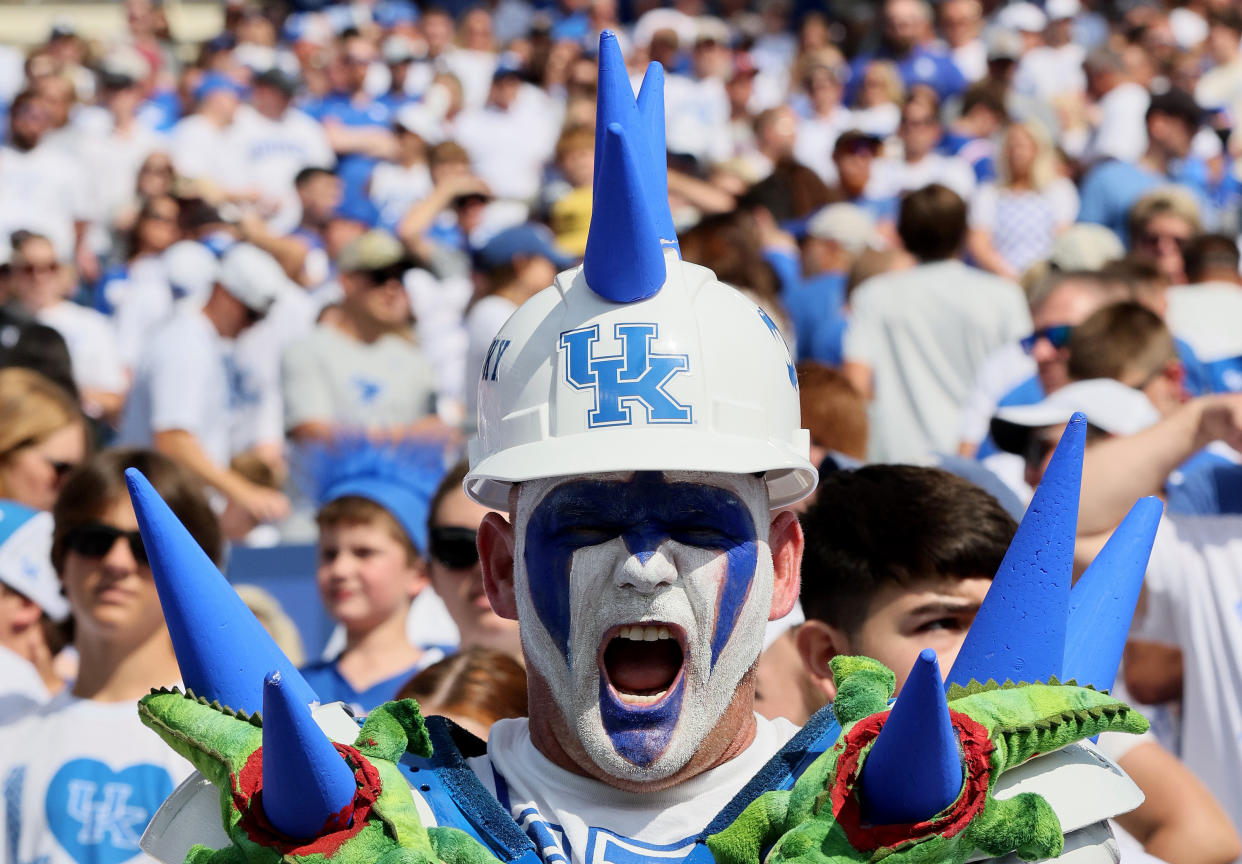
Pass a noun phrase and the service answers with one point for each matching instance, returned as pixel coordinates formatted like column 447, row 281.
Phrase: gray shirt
column 923, row 332
column 330, row 377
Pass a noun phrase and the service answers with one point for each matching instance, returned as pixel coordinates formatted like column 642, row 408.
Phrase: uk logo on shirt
column 97, row 814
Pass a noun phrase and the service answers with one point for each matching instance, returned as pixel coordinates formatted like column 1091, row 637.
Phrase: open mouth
column 642, row 662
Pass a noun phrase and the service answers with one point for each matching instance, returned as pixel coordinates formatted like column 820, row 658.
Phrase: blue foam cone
column 914, row 768
column 1102, row 603
column 614, row 98
column 1019, row 632
column 222, row 649
column 307, row 785
column 651, row 115
column 624, row 261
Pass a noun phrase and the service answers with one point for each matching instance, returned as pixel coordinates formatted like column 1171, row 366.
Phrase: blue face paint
column 643, row 512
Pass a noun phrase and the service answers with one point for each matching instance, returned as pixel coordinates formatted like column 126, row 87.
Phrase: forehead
column 751, row 489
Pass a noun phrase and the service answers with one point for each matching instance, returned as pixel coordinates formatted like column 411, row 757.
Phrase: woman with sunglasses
column 42, row 437
column 454, row 570
column 82, row 776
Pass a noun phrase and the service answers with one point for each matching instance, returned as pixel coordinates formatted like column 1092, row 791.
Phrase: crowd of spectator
column 969, row 218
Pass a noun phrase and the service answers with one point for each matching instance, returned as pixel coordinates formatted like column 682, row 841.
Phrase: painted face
column 643, row 599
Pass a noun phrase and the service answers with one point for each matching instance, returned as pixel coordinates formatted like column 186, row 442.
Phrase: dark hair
column 100, row 482
column 451, row 483
column 833, row 410
column 932, row 222
column 985, row 94
column 791, row 191
column 482, row 684
column 885, row 525
column 729, row 244
column 308, row 174
column 1210, row 253
column 1118, row 339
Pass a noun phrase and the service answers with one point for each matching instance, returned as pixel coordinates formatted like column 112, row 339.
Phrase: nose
column 120, row 558
column 647, row 570
column 1043, row 350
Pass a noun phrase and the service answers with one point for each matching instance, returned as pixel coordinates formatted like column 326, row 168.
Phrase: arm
column 1118, row 471
column 1153, row 672
column 706, row 197
column 1179, row 822
column 419, row 217
column 264, row 505
column 859, row 374
column 366, row 140
column 289, row 252
column 979, row 244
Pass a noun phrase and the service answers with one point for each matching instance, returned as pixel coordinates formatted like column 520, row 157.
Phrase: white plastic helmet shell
column 695, row 378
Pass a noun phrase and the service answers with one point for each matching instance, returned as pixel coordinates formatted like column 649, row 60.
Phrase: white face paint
column 642, row 600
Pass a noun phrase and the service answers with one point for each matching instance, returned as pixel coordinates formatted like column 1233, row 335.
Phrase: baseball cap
column 1059, row 10
column 420, row 120
column 1110, row 406
column 252, row 276
column 847, row 225
column 509, row 64
column 1023, row 18
column 277, row 78
column 374, row 250
column 1004, row 44
column 123, row 67
column 1085, row 246
column 391, row 13
column 214, row 82
column 529, row 238
column 399, row 49
column 25, row 558
column 191, row 269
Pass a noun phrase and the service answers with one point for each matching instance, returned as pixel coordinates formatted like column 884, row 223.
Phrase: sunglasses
column 1058, row 336
column 455, row 548
column 383, row 275
column 95, row 540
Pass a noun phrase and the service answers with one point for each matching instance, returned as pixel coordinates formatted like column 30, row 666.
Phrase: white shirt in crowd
column 21, row 688
column 1193, row 599
column 140, row 301
column 42, row 190
column 890, row 177
column 182, row 382
column 1206, row 316
column 81, row 780
column 1122, row 130
column 580, row 819
column 815, row 138
column 274, row 152
column 508, row 149
column 93, row 349
column 201, row 150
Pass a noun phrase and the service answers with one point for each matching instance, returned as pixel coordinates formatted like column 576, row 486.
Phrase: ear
column 786, row 542
column 817, row 644
column 418, row 577
column 496, row 557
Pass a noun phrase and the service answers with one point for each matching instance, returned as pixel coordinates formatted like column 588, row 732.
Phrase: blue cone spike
column 1019, row 633
column 1102, row 603
column 624, row 261
column 651, row 113
column 307, row 785
column 614, row 99
column 914, row 768
column 222, row 649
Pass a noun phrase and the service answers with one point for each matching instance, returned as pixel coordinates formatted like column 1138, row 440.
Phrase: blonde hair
column 1173, row 200
column 1043, row 169
column 892, row 78
column 275, row 621
column 32, row 407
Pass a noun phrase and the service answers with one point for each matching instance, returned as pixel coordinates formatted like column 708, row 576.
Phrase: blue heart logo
column 98, row 814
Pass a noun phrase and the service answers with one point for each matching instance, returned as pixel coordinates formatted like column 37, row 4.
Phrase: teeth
column 635, row 699
column 643, row 633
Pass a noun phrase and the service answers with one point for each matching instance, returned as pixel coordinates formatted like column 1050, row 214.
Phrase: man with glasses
column 184, row 397
column 360, row 368
column 919, row 164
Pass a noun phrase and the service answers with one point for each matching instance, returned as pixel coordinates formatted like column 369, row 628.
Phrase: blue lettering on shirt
column 97, row 814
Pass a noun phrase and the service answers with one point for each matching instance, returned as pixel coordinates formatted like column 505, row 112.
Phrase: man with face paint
column 639, row 424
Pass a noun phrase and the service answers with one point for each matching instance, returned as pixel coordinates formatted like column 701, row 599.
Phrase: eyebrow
column 944, row 607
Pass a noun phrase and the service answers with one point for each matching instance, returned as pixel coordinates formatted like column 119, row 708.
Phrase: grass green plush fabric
column 999, row 726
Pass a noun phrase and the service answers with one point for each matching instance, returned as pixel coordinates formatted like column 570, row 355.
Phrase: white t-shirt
column 21, row 688
column 1001, row 371
column 1122, row 132
column 1193, row 597
column 508, row 149
column 924, row 333
column 815, row 138
column 141, row 301
column 274, row 152
column 182, row 382
column 1207, row 316
column 891, row 177
column 395, row 189
column 201, row 150
column 42, row 190
column 81, row 780
column 93, row 350
column 574, row 818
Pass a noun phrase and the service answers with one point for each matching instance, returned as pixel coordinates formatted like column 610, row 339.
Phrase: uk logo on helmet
column 636, row 376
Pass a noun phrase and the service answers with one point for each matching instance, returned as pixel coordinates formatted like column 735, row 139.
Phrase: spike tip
column 308, row 788
column 914, row 769
column 1019, row 632
column 1102, row 603
column 222, row 649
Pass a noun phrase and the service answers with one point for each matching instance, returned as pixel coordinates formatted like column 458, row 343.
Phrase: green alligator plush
column 999, row 727
column 384, row 827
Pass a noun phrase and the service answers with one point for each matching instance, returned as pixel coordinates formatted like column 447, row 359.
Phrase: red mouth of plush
column 642, row 662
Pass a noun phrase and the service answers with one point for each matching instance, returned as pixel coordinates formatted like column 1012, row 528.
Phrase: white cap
column 26, row 558
column 422, row 121
column 848, row 225
column 191, row 269
column 1061, row 9
column 252, row 276
column 1023, row 17
column 1109, row 405
column 1085, row 246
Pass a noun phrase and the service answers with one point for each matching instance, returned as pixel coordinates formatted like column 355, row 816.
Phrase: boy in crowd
column 898, row 559
column 372, row 554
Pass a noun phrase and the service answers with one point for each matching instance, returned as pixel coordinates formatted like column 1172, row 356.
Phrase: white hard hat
column 636, row 360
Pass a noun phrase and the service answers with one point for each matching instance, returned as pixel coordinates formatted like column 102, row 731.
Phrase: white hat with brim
column 26, row 558
column 1110, row 406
